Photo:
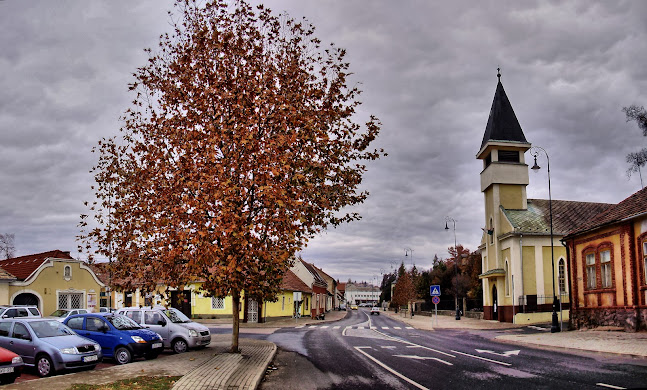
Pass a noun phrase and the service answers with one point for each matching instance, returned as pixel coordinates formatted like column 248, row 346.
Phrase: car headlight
column 193, row 333
column 138, row 339
column 160, row 337
column 70, row 351
column 16, row 360
column 97, row 347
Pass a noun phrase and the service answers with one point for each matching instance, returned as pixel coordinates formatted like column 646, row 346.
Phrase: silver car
column 177, row 330
column 48, row 345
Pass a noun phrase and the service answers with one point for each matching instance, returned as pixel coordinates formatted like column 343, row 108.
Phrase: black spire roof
column 502, row 125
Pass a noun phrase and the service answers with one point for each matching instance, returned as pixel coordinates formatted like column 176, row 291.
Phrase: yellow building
column 522, row 269
column 50, row 280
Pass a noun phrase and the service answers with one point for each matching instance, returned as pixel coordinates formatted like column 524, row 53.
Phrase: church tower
column 503, row 182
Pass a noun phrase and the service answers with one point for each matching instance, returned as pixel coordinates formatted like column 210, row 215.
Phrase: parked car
column 177, row 330
column 121, row 338
column 48, row 345
column 10, row 366
column 375, row 310
column 342, row 306
column 62, row 314
column 353, row 307
column 19, row 311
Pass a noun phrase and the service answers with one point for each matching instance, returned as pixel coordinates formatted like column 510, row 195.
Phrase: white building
column 361, row 293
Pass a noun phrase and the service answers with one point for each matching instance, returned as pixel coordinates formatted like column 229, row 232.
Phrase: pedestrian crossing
column 352, row 327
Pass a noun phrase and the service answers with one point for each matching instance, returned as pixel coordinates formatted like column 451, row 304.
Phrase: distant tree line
column 411, row 284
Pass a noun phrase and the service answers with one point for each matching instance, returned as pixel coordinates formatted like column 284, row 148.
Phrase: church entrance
column 495, row 306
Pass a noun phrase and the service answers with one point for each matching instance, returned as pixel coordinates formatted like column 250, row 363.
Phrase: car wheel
column 44, row 366
column 180, row 346
column 122, row 355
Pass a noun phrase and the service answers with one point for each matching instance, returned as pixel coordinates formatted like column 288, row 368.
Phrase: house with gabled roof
column 522, row 268
column 607, row 257
column 50, row 280
column 308, row 273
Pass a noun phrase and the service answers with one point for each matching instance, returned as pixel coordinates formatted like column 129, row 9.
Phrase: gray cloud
column 427, row 70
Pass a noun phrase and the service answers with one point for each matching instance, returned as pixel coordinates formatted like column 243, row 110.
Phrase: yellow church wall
column 51, row 282
column 511, row 196
column 529, row 276
column 559, row 251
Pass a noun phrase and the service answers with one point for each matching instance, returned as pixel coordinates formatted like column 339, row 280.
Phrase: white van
column 177, row 330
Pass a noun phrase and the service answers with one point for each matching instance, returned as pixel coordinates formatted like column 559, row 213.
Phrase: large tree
column 242, row 143
column 7, row 247
column 637, row 159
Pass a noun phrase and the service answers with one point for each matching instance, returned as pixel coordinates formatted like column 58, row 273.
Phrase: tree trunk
column 235, row 308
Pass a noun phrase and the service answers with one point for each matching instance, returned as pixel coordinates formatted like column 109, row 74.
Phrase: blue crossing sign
column 434, row 290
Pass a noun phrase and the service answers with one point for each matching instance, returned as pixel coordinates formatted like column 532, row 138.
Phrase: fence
column 448, row 304
column 541, row 303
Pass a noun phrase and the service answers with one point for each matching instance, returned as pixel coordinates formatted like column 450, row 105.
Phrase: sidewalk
column 282, row 322
column 618, row 342
column 209, row 368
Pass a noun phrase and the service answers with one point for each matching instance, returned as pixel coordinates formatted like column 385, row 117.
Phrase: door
column 181, row 300
column 156, row 322
column 21, row 343
column 252, row 311
column 495, row 307
column 94, row 329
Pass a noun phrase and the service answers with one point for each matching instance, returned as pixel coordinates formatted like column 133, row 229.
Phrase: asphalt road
column 378, row 352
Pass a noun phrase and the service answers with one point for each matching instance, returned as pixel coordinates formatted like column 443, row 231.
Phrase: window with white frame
column 605, row 268
column 217, row 303
column 591, row 282
column 70, row 300
column 67, row 272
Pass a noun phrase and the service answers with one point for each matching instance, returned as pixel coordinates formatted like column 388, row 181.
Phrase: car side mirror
column 105, row 328
column 161, row 322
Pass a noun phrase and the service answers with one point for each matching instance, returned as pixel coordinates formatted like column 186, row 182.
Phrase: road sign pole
column 435, row 304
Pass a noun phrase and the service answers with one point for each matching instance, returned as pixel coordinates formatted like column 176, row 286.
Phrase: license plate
column 157, row 345
column 92, row 358
column 6, row 370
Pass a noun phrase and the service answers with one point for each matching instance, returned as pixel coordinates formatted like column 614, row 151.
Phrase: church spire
column 502, row 125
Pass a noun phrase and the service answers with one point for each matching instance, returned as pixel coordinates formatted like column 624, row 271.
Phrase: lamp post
column 448, row 219
column 406, row 254
column 534, row 151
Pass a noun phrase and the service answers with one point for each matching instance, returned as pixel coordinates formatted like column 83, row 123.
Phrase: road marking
column 429, row 349
column 324, row 327
column 312, row 326
column 388, row 346
column 397, row 327
column 300, row 326
column 482, row 358
column 373, row 327
column 504, row 354
column 389, row 369
column 360, row 327
column 610, row 386
column 336, row 327
column 409, row 327
column 416, row 357
column 385, row 327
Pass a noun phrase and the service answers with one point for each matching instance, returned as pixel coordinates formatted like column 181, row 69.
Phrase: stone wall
column 631, row 320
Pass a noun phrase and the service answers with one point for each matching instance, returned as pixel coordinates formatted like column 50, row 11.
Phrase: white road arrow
column 505, row 354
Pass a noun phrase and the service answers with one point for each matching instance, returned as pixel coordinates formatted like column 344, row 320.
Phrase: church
column 524, row 263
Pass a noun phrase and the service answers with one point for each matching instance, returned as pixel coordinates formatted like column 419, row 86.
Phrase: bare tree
column 7, row 247
column 637, row 159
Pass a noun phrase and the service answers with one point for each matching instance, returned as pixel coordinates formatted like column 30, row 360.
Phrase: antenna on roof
column 498, row 73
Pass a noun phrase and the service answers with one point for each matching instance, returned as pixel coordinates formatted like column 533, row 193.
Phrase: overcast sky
column 427, row 69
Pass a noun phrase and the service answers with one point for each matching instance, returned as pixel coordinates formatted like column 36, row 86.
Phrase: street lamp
column 447, row 219
column 406, row 254
column 534, row 151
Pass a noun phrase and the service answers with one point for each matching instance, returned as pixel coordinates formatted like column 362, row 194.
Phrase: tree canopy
column 240, row 145
column 637, row 159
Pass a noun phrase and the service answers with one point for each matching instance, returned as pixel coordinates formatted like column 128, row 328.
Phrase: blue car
column 121, row 338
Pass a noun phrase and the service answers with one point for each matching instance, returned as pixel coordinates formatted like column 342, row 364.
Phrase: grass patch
column 138, row 383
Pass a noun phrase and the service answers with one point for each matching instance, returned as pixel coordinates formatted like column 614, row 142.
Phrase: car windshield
column 176, row 316
column 50, row 329
column 60, row 313
column 122, row 322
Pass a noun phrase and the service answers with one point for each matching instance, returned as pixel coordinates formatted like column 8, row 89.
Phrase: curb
column 261, row 374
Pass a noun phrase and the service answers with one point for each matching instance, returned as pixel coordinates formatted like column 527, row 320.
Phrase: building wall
column 50, row 283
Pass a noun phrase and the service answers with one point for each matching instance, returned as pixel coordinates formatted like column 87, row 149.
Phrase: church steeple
column 502, row 125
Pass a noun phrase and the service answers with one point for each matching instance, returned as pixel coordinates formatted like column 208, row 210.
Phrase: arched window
column 67, row 272
column 562, row 276
column 507, row 279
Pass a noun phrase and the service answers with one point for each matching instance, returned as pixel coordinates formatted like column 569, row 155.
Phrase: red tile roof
column 292, row 282
column 631, row 207
column 23, row 266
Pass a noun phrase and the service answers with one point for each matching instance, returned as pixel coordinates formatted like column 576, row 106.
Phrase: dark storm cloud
column 427, row 69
